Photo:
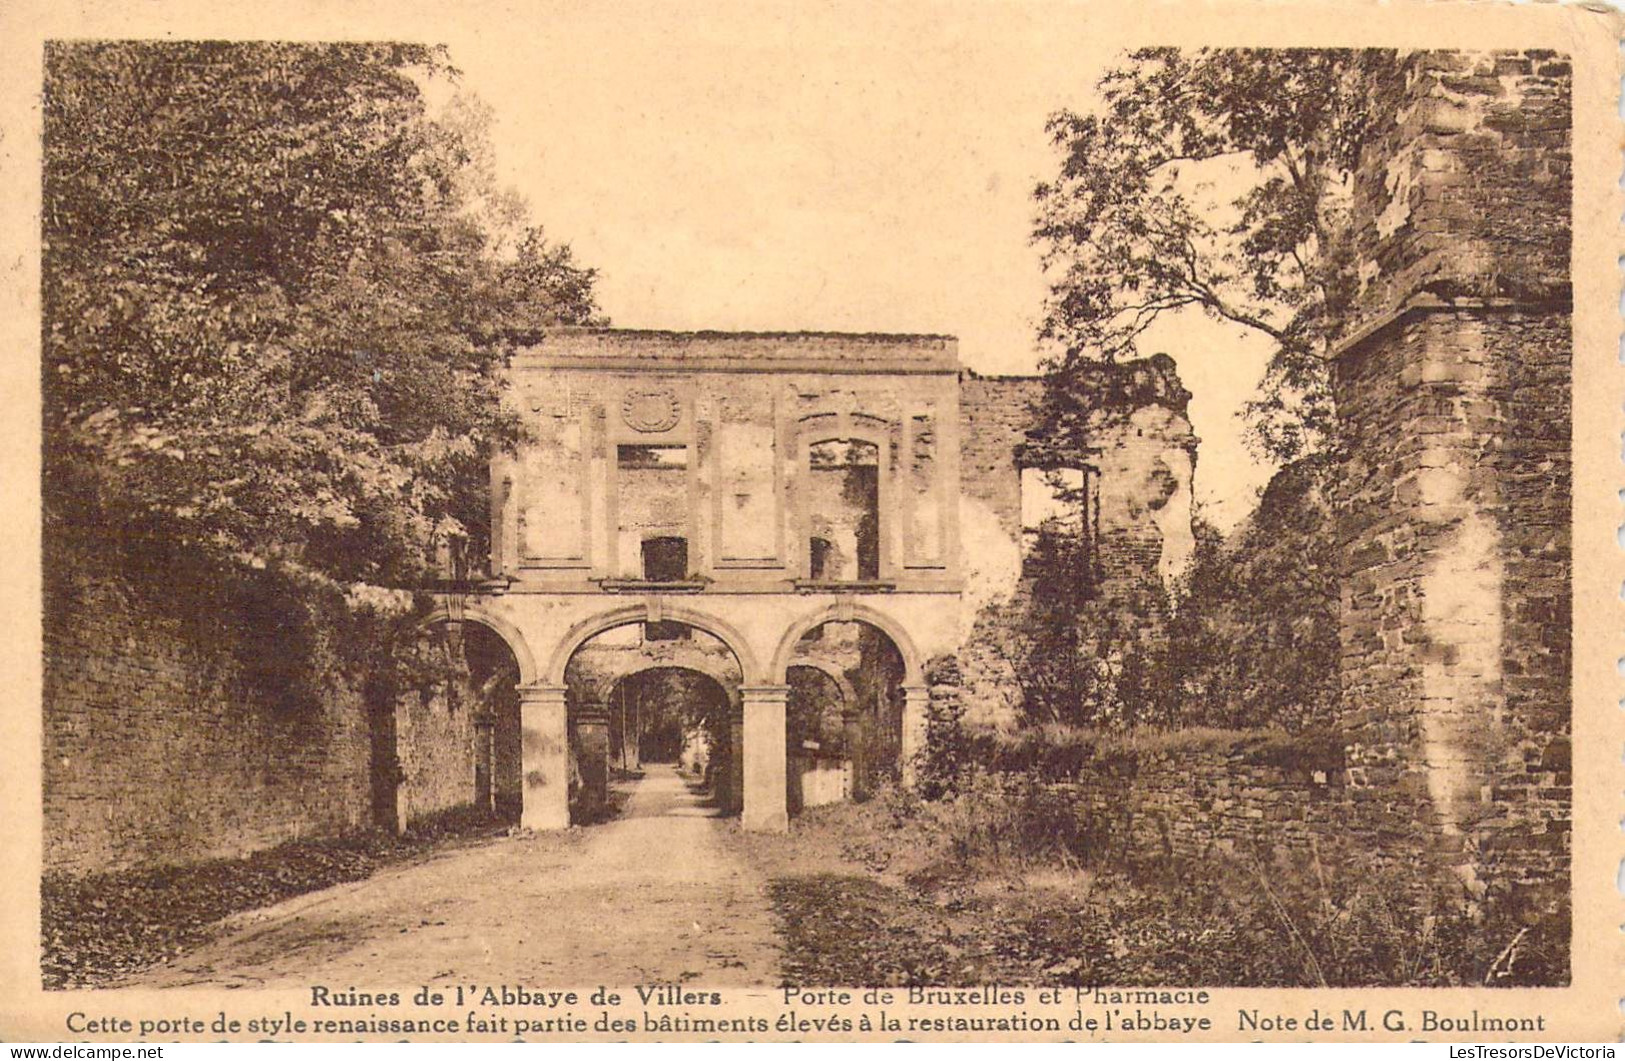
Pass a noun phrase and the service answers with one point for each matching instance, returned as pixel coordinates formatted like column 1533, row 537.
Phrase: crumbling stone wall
column 995, row 412
column 1144, row 453
column 1452, row 386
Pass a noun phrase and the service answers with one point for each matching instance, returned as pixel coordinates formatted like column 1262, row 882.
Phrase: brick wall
column 167, row 739
column 995, row 413
column 1456, row 618
column 156, row 747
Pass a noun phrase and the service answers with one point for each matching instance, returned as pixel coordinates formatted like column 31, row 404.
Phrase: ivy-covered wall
column 190, row 716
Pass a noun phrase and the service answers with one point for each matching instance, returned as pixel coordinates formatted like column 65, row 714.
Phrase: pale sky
column 776, row 171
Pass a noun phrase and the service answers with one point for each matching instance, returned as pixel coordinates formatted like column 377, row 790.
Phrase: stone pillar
column 544, row 757
column 592, row 757
column 915, row 700
column 765, row 788
column 852, row 729
column 631, row 725
column 735, row 765
column 485, row 762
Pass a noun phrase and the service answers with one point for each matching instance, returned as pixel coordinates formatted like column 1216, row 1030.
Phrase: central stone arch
column 589, row 628
column 758, row 709
column 606, row 684
column 700, row 716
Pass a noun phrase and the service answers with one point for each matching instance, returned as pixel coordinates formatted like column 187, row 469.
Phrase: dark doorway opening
column 493, row 677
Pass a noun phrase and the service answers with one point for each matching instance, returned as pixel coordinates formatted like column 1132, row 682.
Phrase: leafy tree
column 1129, row 230
column 278, row 293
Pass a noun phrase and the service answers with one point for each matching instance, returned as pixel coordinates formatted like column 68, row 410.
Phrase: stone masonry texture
column 156, row 747
column 1455, row 504
column 161, row 746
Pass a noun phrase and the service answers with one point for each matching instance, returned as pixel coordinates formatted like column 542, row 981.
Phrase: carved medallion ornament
column 651, row 410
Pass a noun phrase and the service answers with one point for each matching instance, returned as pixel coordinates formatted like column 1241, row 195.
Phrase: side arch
column 847, row 612
column 473, row 613
column 581, row 632
column 849, row 695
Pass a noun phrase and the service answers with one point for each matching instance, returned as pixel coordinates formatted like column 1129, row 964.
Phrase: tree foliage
column 1273, row 595
column 1255, row 638
column 279, row 287
column 1216, row 180
column 1044, row 634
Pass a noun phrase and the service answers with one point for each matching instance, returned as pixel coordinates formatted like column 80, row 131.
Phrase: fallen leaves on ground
column 96, row 929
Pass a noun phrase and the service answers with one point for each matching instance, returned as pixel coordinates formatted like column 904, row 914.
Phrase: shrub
column 946, row 754
column 1056, row 752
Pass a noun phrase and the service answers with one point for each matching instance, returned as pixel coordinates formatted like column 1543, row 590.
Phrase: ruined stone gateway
column 778, row 532
column 735, row 550
column 797, row 522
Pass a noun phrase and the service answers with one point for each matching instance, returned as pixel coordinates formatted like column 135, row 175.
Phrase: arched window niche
column 844, row 515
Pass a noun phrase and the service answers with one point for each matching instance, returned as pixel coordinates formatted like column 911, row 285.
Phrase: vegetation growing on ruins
column 1247, row 637
column 990, row 886
column 1144, row 708
column 1254, row 641
column 1128, row 230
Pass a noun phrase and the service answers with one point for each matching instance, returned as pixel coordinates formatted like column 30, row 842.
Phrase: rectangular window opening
column 667, row 631
column 652, row 458
column 1055, row 518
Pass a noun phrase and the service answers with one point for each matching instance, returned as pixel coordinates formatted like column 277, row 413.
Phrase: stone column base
column 765, row 808
column 544, row 758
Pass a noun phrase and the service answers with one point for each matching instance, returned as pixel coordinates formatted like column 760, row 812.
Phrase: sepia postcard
column 555, row 522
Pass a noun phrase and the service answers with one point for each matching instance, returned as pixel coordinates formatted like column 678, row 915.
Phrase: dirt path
column 660, row 894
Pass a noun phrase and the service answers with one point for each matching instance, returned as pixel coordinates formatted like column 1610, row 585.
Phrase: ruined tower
column 1452, row 383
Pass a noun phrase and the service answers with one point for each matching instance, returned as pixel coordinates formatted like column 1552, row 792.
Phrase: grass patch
column 971, row 889
column 855, row 929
